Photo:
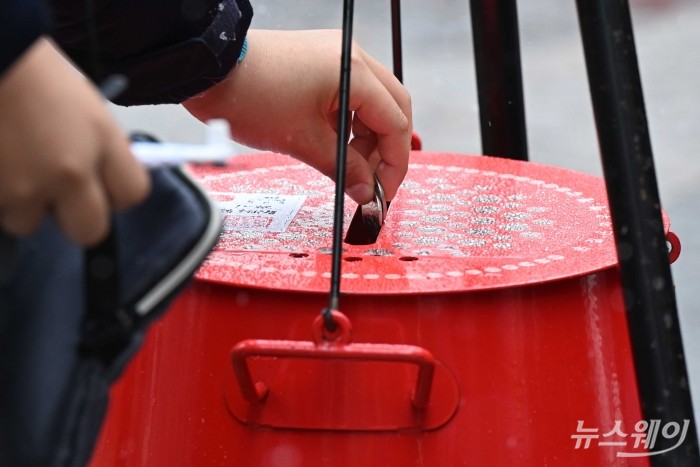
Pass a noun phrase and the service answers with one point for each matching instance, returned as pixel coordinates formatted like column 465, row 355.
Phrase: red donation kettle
column 485, row 327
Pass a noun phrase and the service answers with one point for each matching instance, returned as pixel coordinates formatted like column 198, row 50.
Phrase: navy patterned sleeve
column 169, row 50
column 21, row 23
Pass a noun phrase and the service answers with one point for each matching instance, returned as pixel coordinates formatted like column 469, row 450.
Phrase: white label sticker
column 262, row 212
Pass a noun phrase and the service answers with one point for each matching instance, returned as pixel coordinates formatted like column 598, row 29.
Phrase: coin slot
column 299, row 255
column 408, row 258
column 358, row 233
column 353, row 259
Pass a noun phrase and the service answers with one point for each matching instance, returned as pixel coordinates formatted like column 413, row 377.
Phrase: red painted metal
column 675, row 242
column 498, row 274
column 416, row 142
column 458, row 223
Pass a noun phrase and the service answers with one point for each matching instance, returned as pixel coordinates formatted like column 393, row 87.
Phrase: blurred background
column 439, row 73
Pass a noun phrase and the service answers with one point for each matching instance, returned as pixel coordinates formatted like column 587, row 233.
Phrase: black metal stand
column 626, row 154
column 498, row 78
column 397, row 53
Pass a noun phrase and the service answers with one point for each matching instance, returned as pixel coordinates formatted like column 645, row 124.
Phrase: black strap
column 107, row 326
column 8, row 256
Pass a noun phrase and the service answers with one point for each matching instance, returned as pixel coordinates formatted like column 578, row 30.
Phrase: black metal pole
column 341, row 158
column 499, row 78
column 396, row 39
column 626, row 153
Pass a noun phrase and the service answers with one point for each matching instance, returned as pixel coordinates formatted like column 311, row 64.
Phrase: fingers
column 21, row 218
column 125, row 180
column 119, row 181
column 364, row 141
column 83, row 216
column 375, row 96
column 83, row 213
column 359, row 181
column 82, row 204
column 392, row 84
column 381, row 129
column 60, row 152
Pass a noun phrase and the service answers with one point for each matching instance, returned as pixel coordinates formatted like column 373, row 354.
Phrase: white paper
column 261, row 212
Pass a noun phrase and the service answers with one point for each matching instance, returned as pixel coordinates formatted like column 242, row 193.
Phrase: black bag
column 70, row 320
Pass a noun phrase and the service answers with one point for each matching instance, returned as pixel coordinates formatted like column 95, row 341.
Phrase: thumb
column 359, row 180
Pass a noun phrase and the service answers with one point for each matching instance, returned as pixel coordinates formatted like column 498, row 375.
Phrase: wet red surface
column 458, row 223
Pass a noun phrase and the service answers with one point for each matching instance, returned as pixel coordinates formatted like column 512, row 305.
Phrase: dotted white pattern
column 509, row 222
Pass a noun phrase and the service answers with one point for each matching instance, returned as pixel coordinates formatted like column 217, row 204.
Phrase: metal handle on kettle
column 338, row 349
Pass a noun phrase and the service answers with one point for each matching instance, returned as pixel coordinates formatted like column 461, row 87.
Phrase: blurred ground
column 439, row 73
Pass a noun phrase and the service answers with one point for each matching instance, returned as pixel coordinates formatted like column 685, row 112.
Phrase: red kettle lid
column 458, row 223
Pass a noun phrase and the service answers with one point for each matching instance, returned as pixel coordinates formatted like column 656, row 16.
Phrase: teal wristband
column 244, row 50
